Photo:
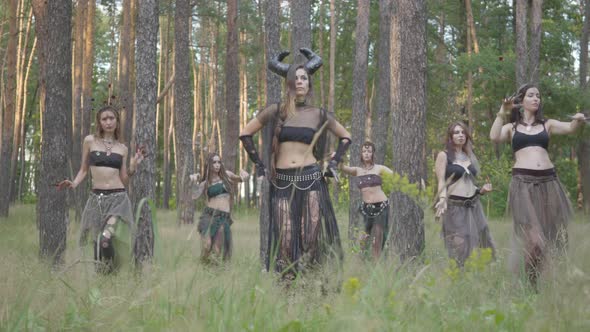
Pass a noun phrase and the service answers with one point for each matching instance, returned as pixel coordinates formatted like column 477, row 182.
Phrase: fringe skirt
column 375, row 214
column 212, row 221
column 100, row 206
column 465, row 228
column 540, row 211
column 303, row 231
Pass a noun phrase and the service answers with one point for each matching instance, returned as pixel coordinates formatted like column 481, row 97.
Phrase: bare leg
column 311, row 238
column 377, row 240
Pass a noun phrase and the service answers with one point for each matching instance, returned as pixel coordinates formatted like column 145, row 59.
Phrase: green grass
column 177, row 292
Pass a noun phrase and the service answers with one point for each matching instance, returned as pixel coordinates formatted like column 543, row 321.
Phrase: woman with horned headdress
column 215, row 221
column 303, row 231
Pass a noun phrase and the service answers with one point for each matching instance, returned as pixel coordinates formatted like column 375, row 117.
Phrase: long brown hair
column 287, row 108
column 467, row 147
column 516, row 115
column 207, row 175
column 99, row 132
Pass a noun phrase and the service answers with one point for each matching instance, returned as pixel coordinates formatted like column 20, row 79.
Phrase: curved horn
column 314, row 62
column 276, row 66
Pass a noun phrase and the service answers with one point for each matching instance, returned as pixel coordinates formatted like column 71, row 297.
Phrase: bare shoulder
column 89, row 139
column 441, row 156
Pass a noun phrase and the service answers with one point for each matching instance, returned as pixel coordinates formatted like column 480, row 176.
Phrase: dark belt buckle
column 468, row 203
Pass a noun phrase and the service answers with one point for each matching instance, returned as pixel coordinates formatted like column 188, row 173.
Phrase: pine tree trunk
column 182, row 112
column 301, row 28
column 535, row 43
column 53, row 28
column 9, row 109
column 232, row 89
column 408, row 121
column 359, row 109
column 273, row 96
column 145, row 133
column 584, row 146
column 77, row 114
column 382, row 113
column 521, row 14
column 125, row 96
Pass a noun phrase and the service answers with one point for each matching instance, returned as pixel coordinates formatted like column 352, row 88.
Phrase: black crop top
column 521, row 141
column 101, row 159
column 296, row 134
column 457, row 171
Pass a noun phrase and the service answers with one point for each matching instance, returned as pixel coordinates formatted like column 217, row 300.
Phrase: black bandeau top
column 296, row 134
column 521, row 140
column 101, row 159
column 457, row 171
column 369, row 180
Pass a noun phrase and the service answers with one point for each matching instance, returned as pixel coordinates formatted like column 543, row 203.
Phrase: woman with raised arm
column 540, row 207
column 215, row 221
column 375, row 205
column 303, row 229
column 108, row 208
column 464, row 225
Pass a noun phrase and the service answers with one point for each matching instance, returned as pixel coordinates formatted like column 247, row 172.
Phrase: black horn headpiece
column 314, row 62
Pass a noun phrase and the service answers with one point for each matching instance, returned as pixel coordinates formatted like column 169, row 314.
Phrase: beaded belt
column 294, row 180
column 299, row 178
column 373, row 206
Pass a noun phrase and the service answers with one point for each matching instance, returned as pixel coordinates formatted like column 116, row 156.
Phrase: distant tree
column 408, row 95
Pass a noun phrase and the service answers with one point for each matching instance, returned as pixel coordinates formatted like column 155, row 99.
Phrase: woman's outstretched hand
column 440, row 207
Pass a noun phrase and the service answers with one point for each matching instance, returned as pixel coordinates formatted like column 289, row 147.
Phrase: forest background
column 189, row 86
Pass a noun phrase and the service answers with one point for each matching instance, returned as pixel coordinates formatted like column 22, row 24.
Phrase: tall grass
column 177, row 292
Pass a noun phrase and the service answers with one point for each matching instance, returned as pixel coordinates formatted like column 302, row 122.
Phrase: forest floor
column 178, row 292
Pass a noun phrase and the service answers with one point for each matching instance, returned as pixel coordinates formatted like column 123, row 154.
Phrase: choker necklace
column 299, row 103
column 461, row 156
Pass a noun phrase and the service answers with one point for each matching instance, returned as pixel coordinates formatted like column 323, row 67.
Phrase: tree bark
column 53, row 28
column 9, row 109
column 273, row 96
column 535, row 42
column 232, row 89
column 125, row 90
column 382, row 111
column 521, row 14
column 182, row 112
column 359, row 109
column 145, row 133
column 77, row 113
column 584, row 146
column 301, row 28
column 408, row 94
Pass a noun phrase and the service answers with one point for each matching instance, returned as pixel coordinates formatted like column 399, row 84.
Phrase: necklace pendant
column 98, row 153
column 528, row 128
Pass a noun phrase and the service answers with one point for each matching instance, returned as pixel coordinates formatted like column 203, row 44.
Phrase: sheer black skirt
column 303, row 231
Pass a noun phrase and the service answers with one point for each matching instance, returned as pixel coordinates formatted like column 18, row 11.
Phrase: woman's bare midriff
column 294, row 154
column 105, row 178
column 373, row 195
column 220, row 202
column 463, row 187
column 532, row 157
